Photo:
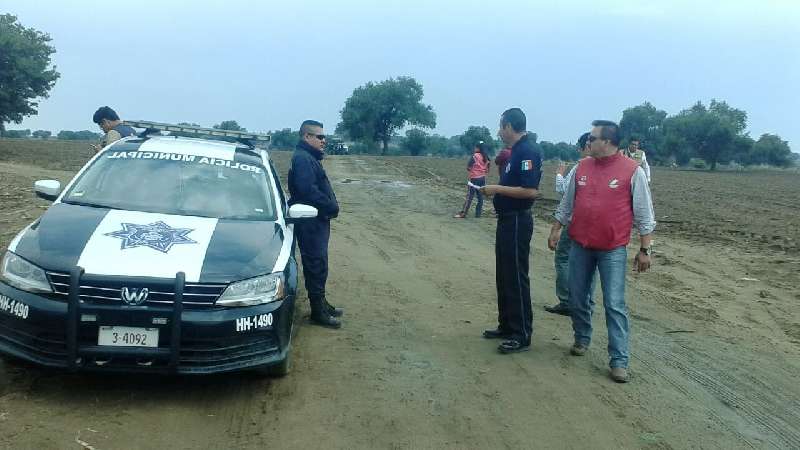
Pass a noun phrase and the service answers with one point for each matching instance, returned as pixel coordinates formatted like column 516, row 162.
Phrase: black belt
column 514, row 212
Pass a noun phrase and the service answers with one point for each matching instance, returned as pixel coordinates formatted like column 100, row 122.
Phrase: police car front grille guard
column 75, row 353
column 198, row 295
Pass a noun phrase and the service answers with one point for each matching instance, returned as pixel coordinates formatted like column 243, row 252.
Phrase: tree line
column 715, row 133
column 65, row 135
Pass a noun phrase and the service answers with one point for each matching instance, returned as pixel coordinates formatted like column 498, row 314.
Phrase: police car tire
column 277, row 370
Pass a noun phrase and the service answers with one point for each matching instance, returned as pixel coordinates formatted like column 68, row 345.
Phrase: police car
column 163, row 254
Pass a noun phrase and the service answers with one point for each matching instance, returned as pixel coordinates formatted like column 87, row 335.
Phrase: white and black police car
column 163, row 254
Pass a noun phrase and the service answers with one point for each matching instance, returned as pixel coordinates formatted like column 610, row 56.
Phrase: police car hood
column 132, row 243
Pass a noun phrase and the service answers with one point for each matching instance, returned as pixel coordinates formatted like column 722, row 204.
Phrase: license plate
column 128, row 336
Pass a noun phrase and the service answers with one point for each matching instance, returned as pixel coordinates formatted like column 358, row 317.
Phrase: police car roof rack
column 243, row 137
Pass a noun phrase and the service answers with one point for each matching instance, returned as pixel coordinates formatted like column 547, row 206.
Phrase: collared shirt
column 562, row 181
column 645, row 166
column 642, row 162
column 524, row 169
column 643, row 215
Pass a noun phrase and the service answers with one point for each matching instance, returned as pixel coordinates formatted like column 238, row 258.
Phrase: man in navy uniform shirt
column 308, row 184
column 513, row 199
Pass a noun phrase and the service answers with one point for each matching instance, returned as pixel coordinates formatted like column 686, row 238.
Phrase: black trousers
column 312, row 240
column 512, row 250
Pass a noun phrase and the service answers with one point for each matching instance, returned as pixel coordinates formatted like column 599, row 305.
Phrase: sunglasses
column 593, row 138
column 321, row 137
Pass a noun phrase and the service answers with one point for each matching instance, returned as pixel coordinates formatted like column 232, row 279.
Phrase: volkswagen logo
column 134, row 297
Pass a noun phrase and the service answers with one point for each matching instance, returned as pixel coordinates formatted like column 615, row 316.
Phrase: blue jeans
column 561, row 263
column 612, row 265
column 472, row 192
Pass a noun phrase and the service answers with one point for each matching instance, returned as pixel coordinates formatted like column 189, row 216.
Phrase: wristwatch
column 645, row 250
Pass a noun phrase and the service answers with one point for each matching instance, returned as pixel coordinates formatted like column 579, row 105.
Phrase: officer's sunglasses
column 321, row 137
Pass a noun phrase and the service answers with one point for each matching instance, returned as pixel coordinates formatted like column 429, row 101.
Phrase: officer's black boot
column 320, row 315
column 332, row 310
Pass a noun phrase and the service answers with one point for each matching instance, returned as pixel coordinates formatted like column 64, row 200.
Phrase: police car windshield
column 173, row 183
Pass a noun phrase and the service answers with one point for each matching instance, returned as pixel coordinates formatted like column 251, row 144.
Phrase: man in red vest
column 607, row 195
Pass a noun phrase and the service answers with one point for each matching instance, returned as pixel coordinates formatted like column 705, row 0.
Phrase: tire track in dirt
column 776, row 416
column 740, row 394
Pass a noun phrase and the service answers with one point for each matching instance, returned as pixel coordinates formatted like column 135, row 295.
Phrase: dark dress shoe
column 513, row 346
column 497, row 333
column 558, row 309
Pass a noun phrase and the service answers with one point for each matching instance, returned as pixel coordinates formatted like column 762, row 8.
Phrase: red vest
column 479, row 167
column 602, row 215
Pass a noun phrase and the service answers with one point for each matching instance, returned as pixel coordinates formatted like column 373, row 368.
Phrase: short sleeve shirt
column 110, row 137
column 524, row 169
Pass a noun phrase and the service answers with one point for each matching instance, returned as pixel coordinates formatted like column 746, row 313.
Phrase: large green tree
column 771, row 149
column 18, row 134
column 415, row 142
column 742, row 150
column 473, row 136
column 284, row 139
column 25, row 70
column 675, row 146
column 375, row 111
column 438, row 145
column 709, row 131
column 560, row 150
column 734, row 118
column 645, row 122
column 229, row 125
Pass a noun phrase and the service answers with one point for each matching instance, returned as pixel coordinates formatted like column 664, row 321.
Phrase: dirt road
column 714, row 354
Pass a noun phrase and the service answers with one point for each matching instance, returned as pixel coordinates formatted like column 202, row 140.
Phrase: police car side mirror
column 47, row 189
column 299, row 212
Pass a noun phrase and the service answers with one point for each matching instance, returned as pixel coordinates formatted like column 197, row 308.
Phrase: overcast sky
column 269, row 65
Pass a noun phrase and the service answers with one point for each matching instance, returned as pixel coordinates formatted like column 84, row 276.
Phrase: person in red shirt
column 606, row 196
column 502, row 159
column 477, row 168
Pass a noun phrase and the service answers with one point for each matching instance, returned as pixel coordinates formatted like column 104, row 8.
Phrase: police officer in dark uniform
column 513, row 199
column 114, row 129
column 309, row 185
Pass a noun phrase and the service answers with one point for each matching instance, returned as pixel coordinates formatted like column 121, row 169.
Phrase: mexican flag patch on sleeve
column 527, row 165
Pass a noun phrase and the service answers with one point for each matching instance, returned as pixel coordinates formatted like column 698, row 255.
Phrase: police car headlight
column 253, row 291
column 23, row 275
